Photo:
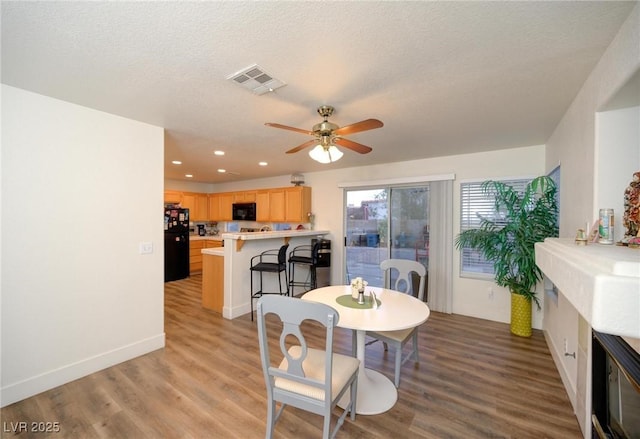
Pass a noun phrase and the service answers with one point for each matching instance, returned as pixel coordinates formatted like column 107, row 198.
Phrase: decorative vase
column 520, row 315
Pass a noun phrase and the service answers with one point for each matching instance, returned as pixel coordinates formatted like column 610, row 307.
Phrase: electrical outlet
column 146, row 248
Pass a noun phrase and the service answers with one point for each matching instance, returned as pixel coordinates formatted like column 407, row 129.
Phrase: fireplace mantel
column 602, row 282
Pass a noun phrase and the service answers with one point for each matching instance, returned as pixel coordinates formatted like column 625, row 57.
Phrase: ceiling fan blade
column 364, row 125
column 303, row 146
column 285, row 127
column 354, row 146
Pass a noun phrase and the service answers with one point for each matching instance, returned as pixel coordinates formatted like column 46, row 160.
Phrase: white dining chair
column 403, row 268
column 310, row 379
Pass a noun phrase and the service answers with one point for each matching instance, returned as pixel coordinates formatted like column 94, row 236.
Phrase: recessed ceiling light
column 188, row 175
column 263, row 163
column 222, row 171
column 218, row 152
column 176, row 162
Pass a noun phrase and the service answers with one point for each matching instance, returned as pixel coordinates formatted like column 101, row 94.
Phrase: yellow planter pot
column 520, row 315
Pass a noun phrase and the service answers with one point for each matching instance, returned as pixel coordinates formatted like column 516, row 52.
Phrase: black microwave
column 244, row 211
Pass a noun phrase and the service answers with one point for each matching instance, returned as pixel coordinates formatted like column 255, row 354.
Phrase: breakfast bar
column 238, row 249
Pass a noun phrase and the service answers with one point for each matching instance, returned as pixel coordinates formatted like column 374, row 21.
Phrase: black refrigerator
column 176, row 244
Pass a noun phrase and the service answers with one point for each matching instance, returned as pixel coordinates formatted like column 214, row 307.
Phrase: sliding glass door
column 366, row 234
column 382, row 223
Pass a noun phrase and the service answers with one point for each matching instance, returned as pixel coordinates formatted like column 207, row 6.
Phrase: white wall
column 189, row 186
column 583, row 155
column 470, row 297
column 573, row 143
column 617, row 136
column 80, row 190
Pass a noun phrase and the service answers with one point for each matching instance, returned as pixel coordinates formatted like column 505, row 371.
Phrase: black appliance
column 176, row 244
column 323, row 266
column 244, row 211
column 615, row 388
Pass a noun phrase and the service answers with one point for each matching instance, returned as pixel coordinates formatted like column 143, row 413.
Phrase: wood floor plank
column 474, row 380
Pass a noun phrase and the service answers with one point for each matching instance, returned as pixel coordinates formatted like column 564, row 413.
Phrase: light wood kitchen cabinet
column 250, row 196
column 297, row 204
column 287, row 204
column 213, row 283
column 188, row 202
column 244, row 197
column 195, row 255
column 214, row 207
column 262, row 205
column 226, row 201
column 277, row 205
column 198, row 205
column 201, row 208
column 212, row 243
column 172, row 197
column 220, row 206
column 195, row 252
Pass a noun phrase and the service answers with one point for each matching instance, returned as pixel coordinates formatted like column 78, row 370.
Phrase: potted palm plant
column 508, row 239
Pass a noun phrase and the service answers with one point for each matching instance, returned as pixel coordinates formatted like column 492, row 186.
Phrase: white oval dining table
column 376, row 392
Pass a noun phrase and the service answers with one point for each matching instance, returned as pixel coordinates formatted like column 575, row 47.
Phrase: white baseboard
column 234, row 312
column 32, row 386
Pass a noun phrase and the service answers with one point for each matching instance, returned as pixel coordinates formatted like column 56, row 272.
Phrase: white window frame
column 469, row 208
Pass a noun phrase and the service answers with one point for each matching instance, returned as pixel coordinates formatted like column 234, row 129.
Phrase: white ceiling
column 445, row 77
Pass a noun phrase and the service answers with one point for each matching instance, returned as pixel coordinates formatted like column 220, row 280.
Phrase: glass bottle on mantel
column 605, row 226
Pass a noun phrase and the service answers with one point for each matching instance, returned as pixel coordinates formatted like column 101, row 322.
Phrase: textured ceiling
column 445, row 77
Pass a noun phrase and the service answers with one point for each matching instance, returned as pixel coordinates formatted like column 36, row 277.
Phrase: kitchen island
column 237, row 252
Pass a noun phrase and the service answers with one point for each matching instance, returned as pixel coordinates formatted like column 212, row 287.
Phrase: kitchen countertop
column 216, row 251
column 206, row 237
column 248, row 236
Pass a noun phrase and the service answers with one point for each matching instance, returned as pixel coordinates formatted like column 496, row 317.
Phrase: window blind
column 475, row 205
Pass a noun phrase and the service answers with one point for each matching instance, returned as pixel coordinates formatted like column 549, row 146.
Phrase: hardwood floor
column 475, row 380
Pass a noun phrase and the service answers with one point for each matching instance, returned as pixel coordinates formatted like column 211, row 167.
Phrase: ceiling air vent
column 255, row 79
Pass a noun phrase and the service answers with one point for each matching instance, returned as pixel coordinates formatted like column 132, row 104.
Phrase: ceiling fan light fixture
column 325, row 155
column 328, row 134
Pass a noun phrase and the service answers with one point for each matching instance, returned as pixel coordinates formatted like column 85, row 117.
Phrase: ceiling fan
column 327, row 135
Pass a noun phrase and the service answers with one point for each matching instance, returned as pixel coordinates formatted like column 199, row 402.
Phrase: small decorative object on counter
column 312, row 220
column 634, row 242
column 605, row 226
column 357, row 289
column 581, row 237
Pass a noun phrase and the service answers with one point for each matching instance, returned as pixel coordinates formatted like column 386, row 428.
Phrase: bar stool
column 306, row 255
column 270, row 261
